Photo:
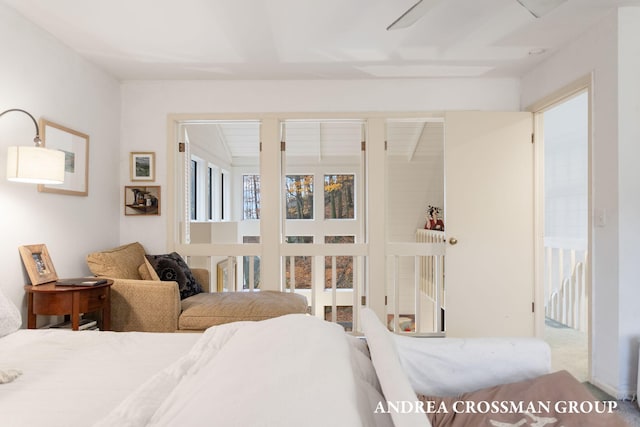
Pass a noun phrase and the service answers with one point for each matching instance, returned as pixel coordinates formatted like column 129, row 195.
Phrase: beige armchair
column 142, row 302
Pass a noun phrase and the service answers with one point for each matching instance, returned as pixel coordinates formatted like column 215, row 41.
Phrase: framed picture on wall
column 38, row 264
column 75, row 146
column 143, row 166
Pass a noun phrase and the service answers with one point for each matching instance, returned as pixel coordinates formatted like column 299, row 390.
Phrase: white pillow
column 451, row 366
column 10, row 319
column 393, row 380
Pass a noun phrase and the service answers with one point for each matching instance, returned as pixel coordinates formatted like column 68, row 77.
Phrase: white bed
column 69, row 378
column 289, row 371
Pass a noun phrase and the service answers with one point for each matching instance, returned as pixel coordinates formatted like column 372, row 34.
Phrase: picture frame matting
column 142, row 166
column 75, row 146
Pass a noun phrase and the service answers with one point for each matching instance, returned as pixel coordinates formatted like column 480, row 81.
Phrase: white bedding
column 75, row 378
column 289, row 371
column 293, row 370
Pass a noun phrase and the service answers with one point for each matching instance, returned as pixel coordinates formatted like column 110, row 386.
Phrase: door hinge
column 533, row 307
column 283, row 146
column 363, row 300
column 533, row 138
column 181, row 147
column 363, row 146
column 261, row 146
column 385, row 146
column 385, row 300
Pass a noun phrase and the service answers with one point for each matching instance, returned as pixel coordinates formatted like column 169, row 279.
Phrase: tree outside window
column 344, row 316
column 299, row 196
column 251, row 197
column 301, row 265
column 344, row 265
column 338, row 196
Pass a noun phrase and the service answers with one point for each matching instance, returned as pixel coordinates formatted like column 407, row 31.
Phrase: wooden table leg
column 106, row 311
column 31, row 316
column 75, row 314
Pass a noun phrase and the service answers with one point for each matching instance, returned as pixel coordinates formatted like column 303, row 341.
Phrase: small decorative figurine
column 433, row 220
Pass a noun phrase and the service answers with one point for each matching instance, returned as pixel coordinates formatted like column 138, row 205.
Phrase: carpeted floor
column 569, row 351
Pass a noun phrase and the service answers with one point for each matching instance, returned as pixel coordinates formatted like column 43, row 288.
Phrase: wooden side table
column 53, row 300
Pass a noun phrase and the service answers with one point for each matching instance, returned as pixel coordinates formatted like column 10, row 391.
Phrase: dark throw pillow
column 171, row 267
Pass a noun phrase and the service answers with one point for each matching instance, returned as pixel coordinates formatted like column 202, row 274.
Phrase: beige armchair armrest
column 144, row 305
column 202, row 276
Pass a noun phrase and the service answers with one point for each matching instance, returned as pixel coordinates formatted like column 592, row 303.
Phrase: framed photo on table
column 75, row 146
column 38, row 264
column 143, row 166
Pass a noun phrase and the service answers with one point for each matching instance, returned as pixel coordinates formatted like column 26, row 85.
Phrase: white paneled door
column 489, row 262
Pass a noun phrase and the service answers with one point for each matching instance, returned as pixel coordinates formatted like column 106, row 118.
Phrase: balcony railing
column 565, row 282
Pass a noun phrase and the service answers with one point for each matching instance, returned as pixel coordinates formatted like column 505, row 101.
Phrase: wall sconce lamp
column 34, row 165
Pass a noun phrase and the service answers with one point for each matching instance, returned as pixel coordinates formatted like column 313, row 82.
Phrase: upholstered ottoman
column 203, row 310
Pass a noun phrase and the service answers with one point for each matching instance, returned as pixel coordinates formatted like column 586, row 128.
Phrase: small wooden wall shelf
column 142, row 200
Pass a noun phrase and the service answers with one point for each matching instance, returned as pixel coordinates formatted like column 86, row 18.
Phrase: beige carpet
column 568, row 349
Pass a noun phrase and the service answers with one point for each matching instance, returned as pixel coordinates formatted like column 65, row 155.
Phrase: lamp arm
column 37, row 137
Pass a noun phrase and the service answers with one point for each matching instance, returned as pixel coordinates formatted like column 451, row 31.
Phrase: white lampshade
column 35, row 165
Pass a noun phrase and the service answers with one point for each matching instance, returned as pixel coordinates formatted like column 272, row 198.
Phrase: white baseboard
column 618, row 394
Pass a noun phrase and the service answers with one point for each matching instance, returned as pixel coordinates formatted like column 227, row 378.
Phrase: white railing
column 318, row 295
column 566, row 285
column 426, row 293
column 431, row 267
column 427, row 308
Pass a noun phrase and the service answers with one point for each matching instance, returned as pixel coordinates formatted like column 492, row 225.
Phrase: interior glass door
column 415, row 226
column 222, row 200
column 323, row 215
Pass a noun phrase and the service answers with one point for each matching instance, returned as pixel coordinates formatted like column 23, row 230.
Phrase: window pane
column 251, row 196
column 209, row 193
column 299, row 196
column 338, row 197
column 344, row 265
column 301, row 265
column 224, row 194
column 194, row 189
column 246, row 267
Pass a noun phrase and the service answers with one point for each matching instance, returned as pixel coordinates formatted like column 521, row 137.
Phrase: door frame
column 581, row 85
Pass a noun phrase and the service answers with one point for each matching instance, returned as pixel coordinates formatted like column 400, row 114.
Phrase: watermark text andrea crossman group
column 497, row 407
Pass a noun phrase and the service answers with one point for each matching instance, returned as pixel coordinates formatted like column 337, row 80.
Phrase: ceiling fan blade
column 540, row 8
column 414, row 13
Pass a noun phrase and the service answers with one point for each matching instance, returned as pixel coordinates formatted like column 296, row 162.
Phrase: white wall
column 629, row 192
column 44, row 77
column 610, row 52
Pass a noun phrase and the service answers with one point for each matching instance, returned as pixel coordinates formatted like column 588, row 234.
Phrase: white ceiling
column 234, row 142
column 309, row 39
